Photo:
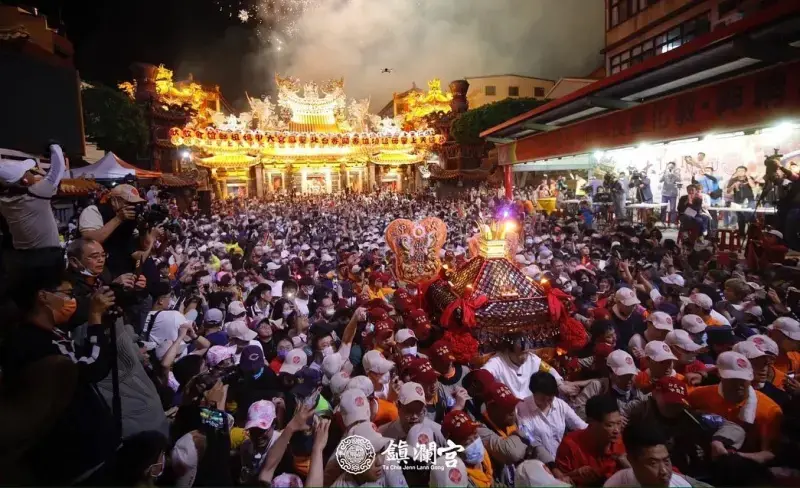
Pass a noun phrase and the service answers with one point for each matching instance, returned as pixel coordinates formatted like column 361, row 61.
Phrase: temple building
column 312, row 139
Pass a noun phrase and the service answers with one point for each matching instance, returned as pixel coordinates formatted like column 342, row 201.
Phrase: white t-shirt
column 90, row 219
column 165, row 331
column 547, row 430
column 626, row 477
column 517, row 378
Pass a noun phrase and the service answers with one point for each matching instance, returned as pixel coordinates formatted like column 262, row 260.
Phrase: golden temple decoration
column 492, row 238
column 128, row 88
column 416, row 246
column 422, row 104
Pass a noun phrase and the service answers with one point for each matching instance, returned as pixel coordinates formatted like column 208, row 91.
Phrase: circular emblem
column 423, row 439
column 741, row 363
column 359, row 401
column 355, row 454
column 296, row 359
column 629, row 360
column 758, row 340
column 345, row 374
column 419, row 391
column 253, row 356
column 669, row 320
column 666, row 348
column 455, row 475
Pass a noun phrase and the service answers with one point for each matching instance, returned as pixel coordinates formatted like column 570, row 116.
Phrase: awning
column 112, row 167
column 569, row 163
column 764, row 39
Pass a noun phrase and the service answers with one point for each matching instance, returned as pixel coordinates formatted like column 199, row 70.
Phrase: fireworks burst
column 275, row 16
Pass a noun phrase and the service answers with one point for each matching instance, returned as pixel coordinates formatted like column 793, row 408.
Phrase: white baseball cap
column 445, row 476
column 419, row 435
column 403, row 335
column 788, row 326
column 765, row 344
column 411, row 392
column 295, row 360
column 749, row 350
column 332, row 364
column 660, row 320
column 658, row 351
column 239, row 330
column 700, row 299
column 680, row 338
column 373, row 361
column 776, row 233
column 339, row 383
column 367, row 431
column 236, row 308
column 734, row 366
column 354, row 406
column 11, row 170
column 673, row 279
column 621, row 363
column 693, row 324
column 627, row 297
column 361, row 383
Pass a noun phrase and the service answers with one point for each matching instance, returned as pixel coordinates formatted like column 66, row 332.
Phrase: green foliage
column 114, row 122
column 467, row 127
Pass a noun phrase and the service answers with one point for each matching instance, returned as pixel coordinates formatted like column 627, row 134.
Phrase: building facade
column 637, row 30
column 493, row 88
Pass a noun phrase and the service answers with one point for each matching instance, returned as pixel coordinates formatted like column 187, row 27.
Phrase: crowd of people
column 253, row 344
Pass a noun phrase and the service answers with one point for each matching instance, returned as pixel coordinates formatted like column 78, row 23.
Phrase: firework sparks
column 244, row 15
column 277, row 16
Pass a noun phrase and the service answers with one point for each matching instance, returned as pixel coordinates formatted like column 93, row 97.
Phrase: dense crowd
column 250, row 345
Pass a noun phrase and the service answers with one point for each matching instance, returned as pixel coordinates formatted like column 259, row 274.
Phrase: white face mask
column 410, row 351
column 327, row 351
column 384, row 380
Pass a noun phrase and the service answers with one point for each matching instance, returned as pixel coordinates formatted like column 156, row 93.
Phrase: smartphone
column 212, row 418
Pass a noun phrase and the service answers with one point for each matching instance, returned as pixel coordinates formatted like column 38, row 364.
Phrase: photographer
column 741, row 188
column 29, row 228
column 113, row 223
column 57, row 432
column 618, row 192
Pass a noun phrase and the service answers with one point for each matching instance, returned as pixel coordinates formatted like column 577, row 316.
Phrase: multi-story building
column 493, row 88
column 640, row 29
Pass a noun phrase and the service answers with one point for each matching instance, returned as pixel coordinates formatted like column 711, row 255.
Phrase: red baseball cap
column 458, row 426
column 376, row 314
column 482, row 378
column 672, row 390
column 421, row 371
column 501, row 397
column 441, row 350
column 383, row 329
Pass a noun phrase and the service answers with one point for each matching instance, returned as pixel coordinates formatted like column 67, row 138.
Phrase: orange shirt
column 761, row 434
column 789, row 362
column 778, row 379
column 387, row 412
column 576, row 450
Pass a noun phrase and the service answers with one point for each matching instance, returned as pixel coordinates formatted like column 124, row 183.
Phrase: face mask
column 473, row 454
column 328, row 312
column 384, row 379
column 67, row 310
column 86, row 272
column 619, row 390
column 286, row 313
column 410, row 351
column 282, row 354
column 327, row 351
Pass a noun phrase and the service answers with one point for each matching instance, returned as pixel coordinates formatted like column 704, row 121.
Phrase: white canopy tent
column 111, row 167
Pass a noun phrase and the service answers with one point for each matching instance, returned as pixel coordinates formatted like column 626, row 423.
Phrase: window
column 490, row 90
column 538, row 92
column 622, row 10
column 513, row 91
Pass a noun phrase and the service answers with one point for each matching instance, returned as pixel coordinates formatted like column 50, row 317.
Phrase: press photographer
column 641, row 182
column 114, row 223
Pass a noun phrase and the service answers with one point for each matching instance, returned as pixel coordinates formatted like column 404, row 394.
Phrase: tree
column 466, row 128
column 114, row 122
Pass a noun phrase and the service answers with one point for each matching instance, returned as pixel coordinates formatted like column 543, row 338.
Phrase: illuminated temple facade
column 312, row 139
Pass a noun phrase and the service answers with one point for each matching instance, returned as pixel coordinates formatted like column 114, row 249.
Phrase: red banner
column 749, row 101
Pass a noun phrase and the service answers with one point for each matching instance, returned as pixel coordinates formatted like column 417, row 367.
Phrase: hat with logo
column 236, row 308
column 788, row 326
column 621, row 363
column 421, row 371
column 672, row 390
column 368, row 432
column 252, row 359
column 441, row 351
column 261, row 414
column 374, row 362
column 403, row 335
column 482, row 379
column 295, row 360
column 12, row 170
column 411, row 392
column 749, row 350
column 693, row 324
column 383, row 329
column 332, row 364
column 361, row 383
column 376, row 314
column 501, row 397
column 658, row 351
column 732, row 365
column 339, row 382
column 660, row 321
column 764, row 343
column 700, row 299
column 354, row 406
column 627, row 297
column 287, row 480
column 458, row 426
column 443, row 475
column 126, row 192
column 217, row 354
column 238, row 330
column 673, row 279
column 680, row 338
column 308, row 380
column 419, row 435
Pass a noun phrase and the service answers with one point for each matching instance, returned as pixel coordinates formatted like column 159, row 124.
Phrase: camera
column 149, row 217
column 125, row 297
